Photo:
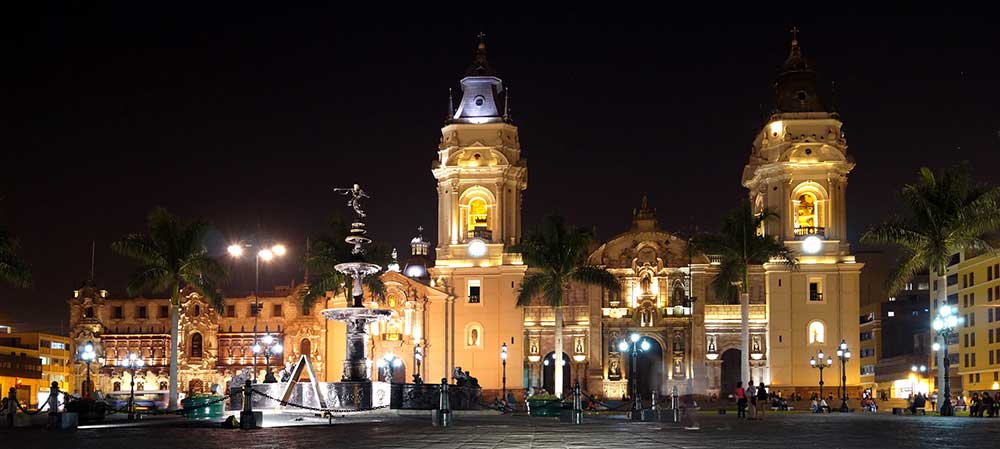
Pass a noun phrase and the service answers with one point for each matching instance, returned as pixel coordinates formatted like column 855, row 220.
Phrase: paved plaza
column 390, row 431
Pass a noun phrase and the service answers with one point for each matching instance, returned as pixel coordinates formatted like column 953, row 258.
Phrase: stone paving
column 390, row 431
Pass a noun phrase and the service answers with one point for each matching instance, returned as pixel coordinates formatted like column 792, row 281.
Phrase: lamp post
column 944, row 324
column 132, row 362
column 503, row 376
column 917, row 372
column 387, row 363
column 418, row 357
column 633, row 346
column 844, row 355
column 266, row 254
column 821, row 362
column 88, row 355
column 271, row 347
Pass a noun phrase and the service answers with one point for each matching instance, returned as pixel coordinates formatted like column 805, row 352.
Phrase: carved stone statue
column 356, row 194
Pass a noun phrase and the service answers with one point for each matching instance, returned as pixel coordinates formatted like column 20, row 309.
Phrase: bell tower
column 798, row 170
column 479, row 171
column 480, row 176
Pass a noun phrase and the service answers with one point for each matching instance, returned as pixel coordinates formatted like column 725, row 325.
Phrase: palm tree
column 557, row 256
column 329, row 250
column 172, row 257
column 740, row 245
column 944, row 215
column 13, row 269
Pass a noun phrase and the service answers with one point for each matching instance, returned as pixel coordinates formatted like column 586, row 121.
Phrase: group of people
column 751, row 401
column 980, row 404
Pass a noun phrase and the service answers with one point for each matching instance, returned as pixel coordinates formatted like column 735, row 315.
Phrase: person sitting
column 815, row 407
column 919, row 402
column 987, row 405
column 974, row 405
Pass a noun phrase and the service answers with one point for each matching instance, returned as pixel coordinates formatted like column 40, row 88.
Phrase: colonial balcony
column 480, row 233
column 806, row 231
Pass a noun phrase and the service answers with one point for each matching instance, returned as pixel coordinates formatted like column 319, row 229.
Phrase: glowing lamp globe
column 267, row 339
column 644, row 345
column 634, row 337
column 235, row 250
column 812, row 244
column 623, row 346
column 936, row 347
column 266, row 255
column 477, row 248
column 279, row 250
column 277, row 348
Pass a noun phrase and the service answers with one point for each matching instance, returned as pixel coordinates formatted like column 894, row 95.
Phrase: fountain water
column 355, row 387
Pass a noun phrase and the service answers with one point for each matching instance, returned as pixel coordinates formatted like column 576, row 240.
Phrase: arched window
column 117, row 386
column 474, row 335
column 478, row 214
column 197, row 310
column 139, row 386
column 817, row 332
column 678, row 296
column 196, row 351
column 163, row 385
column 809, row 216
column 305, row 347
column 88, row 312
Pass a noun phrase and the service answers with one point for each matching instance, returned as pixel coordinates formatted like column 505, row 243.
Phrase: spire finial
column 420, row 231
column 795, row 35
column 480, row 66
column 506, row 104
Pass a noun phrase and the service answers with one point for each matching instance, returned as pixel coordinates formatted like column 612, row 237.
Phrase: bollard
column 442, row 416
column 249, row 419
column 54, row 418
column 673, row 404
column 577, row 405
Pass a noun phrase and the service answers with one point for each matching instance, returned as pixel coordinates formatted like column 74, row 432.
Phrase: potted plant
column 544, row 404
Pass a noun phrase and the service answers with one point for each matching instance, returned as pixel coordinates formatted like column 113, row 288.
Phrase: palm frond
column 591, row 275
column 532, row 285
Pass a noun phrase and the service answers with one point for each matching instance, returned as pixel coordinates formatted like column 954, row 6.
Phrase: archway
column 731, row 369
column 549, row 373
column 398, row 373
column 649, row 367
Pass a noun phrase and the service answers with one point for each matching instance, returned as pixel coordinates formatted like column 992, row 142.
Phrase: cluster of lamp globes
column 389, row 359
column 88, row 353
column 272, row 346
column 946, row 320
column 133, row 361
column 623, row 345
column 265, row 254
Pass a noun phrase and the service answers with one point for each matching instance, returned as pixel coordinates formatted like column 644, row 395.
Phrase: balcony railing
column 481, row 233
column 805, row 231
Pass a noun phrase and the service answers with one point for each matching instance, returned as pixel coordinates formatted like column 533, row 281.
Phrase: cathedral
column 459, row 311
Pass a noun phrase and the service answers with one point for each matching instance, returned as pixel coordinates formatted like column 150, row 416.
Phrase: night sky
column 248, row 117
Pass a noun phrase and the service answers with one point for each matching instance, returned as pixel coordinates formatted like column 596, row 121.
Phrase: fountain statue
column 355, row 388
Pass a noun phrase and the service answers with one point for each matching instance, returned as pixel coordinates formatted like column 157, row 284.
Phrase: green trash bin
column 194, row 407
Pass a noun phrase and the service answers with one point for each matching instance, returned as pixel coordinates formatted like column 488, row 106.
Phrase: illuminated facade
column 973, row 287
column 213, row 346
column 798, row 169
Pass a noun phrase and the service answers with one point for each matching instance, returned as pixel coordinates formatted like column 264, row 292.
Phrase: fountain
column 356, row 388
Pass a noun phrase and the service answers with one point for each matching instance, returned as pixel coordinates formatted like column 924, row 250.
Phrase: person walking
column 741, row 401
column 762, row 402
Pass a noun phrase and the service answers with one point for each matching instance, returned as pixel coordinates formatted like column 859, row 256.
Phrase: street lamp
column 821, row 362
column 503, row 378
column 418, row 358
column 633, row 346
column 388, row 362
column 844, row 355
column 944, row 324
column 88, row 355
column 132, row 362
column 271, row 347
column 266, row 254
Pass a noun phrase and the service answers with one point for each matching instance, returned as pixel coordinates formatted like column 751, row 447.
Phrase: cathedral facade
column 459, row 312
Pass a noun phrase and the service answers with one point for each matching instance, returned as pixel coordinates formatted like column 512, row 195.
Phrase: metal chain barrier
column 40, row 408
